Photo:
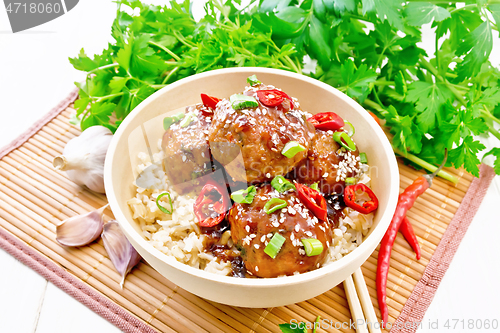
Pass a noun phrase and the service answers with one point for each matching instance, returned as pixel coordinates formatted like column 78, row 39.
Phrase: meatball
column 187, row 153
column 248, row 142
column 252, row 229
column 327, row 163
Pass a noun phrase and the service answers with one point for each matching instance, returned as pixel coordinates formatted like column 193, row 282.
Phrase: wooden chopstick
column 355, row 305
column 366, row 301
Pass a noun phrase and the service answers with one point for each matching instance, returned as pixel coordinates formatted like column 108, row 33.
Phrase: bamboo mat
column 34, row 198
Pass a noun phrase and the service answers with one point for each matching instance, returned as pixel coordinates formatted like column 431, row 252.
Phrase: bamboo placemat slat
column 34, row 198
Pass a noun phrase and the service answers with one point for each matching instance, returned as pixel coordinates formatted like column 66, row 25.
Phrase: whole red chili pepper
column 211, row 205
column 350, row 195
column 327, row 121
column 407, row 230
column 405, row 202
column 209, row 101
column 313, row 200
column 273, row 97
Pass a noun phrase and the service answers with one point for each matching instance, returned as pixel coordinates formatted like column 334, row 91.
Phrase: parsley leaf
column 465, row 155
column 495, row 152
column 293, row 328
column 477, row 45
column 428, row 98
column 356, row 81
column 420, row 13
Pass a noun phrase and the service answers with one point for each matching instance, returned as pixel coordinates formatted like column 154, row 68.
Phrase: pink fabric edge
column 73, row 286
column 17, row 142
column 414, row 310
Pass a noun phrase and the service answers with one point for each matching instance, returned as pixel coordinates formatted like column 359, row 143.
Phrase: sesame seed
column 184, row 158
column 253, row 236
column 308, row 233
column 202, row 154
column 276, row 224
column 292, row 237
column 297, row 228
column 256, row 246
column 247, row 228
column 263, row 238
column 268, row 175
column 256, row 268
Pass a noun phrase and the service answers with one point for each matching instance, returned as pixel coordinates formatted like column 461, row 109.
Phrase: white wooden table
column 35, row 75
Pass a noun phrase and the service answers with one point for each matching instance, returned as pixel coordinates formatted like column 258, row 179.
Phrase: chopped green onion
column 168, row 121
column 160, row 207
column 350, row 181
column 240, row 101
column 273, row 205
column 312, row 246
column 314, row 186
column 362, row 158
column 252, row 80
column 274, row 245
column 344, row 140
column 187, row 120
column 349, row 127
column 281, row 184
column 292, row 148
column 244, row 196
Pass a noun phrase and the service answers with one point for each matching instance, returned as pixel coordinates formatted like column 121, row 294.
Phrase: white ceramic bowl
column 143, row 127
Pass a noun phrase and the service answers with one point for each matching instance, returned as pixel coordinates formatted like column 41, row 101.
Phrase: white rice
column 178, row 235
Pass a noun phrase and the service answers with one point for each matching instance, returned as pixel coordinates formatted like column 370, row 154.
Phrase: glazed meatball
column 327, row 163
column 248, row 142
column 252, row 229
column 187, row 153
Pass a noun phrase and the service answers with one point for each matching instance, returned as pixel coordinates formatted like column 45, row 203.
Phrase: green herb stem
column 172, row 54
column 103, row 67
column 426, row 165
column 493, row 131
column 103, row 98
column 172, row 72
column 433, row 70
column 486, row 113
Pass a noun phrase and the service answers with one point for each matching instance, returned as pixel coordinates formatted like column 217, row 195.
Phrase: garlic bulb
column 83, row 157
column 122, row 254
column 81, row 229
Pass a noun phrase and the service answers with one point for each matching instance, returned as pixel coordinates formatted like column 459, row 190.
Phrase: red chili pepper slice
column 313, row 200
column 211, row 205
column 327, row 121
column 352, row 192
column 209, row 101
column 273, row 97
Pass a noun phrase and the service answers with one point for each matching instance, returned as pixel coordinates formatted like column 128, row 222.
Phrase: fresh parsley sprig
column 367, row 49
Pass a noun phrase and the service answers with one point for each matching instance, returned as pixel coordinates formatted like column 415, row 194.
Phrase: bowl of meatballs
column 250, row 186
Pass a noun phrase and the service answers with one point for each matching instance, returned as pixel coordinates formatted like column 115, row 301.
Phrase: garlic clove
column 82, row 229
column 122, row 254
column 83, row 158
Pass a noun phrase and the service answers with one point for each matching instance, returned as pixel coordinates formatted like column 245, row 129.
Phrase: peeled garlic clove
column 122, row 254
column 82, row 229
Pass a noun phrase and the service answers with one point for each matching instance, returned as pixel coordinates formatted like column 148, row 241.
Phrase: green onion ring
column 160, row 207
column 344, row 140
column 274, row 204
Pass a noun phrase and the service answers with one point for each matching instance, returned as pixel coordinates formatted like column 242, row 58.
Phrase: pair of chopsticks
column 360, row 303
